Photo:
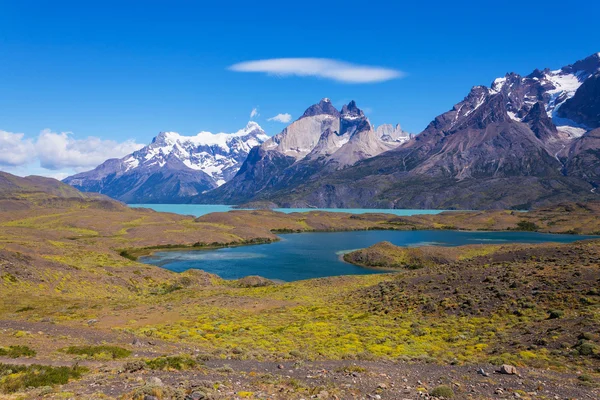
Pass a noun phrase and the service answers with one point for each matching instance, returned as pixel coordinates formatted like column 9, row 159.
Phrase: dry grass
column 62, row 263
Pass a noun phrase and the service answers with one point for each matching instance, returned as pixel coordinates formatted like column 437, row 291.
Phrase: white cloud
column 320, row 67
column 15, row 149
column 254, row 113
column 60, row 150
column 58, row 154
column 58, row 175
column 284, row 118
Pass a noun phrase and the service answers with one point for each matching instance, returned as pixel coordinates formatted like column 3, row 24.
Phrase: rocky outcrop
column 391, row 133
column 584, row 106
column 320, row 142
column 324, row 107
column 540, row 123
column 583, row 159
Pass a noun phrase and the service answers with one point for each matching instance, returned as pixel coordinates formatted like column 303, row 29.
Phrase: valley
column 69, row 279
column 295, row 201
column 538, row 131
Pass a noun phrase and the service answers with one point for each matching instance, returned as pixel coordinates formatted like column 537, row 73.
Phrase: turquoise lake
column 312, row 255
column 201, row 209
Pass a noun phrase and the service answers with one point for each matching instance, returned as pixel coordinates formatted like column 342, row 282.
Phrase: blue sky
column 125, row 70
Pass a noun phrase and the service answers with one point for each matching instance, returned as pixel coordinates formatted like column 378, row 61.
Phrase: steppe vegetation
column 81, row 318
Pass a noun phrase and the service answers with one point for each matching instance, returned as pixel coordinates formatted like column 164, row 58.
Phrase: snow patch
column 565, row 86
column 498, row 84
column 480, row 101
column 206, row 152
column 351, row 117
column 569, row 127
column 513, row 116
column 131, row 163
column 571, row 131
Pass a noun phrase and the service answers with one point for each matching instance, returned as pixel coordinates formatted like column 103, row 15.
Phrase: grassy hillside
column 70, row 293
column 14, row 186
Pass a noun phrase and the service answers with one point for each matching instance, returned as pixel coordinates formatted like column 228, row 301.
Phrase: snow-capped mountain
column 173, row 167
column 553, row 89
column 218, row 155
column 523, row 141
column 322, row 140
column 332, row 136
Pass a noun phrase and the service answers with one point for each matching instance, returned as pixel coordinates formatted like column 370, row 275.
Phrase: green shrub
column 442, row 391
column 203, row 357
column 10, row 278
column 351, row 368
column 527, row 226
column 17, row 351
column 134, row 366
column 156, row 391
column 554, row 314
column 166, row 289
column 298, row 354
column 14, row 378
column 586, row 348
column 101, row 352
column 174, row 362
column 127, row 255
column 587, row 336
column 224, row 369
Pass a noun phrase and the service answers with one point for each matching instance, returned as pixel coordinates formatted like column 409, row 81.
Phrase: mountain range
column 173, row 167
column 322, row 141
column 522, row 141
column 178, row 169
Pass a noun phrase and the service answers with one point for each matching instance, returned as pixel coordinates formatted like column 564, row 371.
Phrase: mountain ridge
column 172, row 168
column 481, row 153
column 321, row 141
column 534, row 131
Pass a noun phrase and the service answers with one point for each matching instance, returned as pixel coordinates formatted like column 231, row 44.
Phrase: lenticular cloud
column 339, row 71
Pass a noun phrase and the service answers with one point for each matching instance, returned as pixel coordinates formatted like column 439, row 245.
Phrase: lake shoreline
column 198, row 210
column 321, row 253
column 137, row 253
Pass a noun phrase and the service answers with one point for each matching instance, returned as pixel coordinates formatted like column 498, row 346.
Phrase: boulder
column 508, row 370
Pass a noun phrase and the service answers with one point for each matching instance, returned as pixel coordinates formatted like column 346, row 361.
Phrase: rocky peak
column 554, row 88
column 537, row 74
column 503, row 84
column 588, row 65
column 351, row 111
column 486, row 110
column 391, row 133
column 537, row 112
column 165, row 138
column 192, row 163
column 322, row 107
column 353, row 120
column 539, row 122
column 253, row 128
column 584, row 106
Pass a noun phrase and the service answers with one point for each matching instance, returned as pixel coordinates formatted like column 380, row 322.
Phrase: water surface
column 202, row 209
column 313, row 255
